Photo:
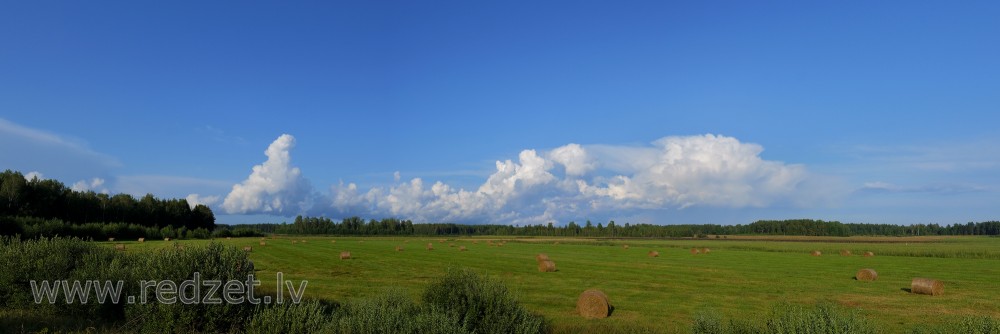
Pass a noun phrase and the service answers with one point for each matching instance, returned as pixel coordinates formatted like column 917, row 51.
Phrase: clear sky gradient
column 721, row 112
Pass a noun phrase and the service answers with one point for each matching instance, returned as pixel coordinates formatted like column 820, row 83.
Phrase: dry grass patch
column 262, row 243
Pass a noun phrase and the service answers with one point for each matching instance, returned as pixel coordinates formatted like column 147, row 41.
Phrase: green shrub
column 786, row 318
column 481, row 304
column 306, row 317
column 968, row 325
column 215, row 262
column 393, row 312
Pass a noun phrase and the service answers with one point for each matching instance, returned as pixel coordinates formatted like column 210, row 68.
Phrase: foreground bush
column 786, row 318
column 481, row 304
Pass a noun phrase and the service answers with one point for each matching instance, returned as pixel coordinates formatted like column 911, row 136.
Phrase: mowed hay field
column 740, row 279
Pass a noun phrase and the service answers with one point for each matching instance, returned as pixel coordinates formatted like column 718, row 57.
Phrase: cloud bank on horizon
column 567, row 182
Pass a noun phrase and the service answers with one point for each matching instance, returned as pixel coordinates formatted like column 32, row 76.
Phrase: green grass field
column 739, row 279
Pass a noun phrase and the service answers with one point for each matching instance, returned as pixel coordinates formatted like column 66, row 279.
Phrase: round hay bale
column 705, row 250
column 546, row 266
column 142, row 239
column 695, row 251
column 263, row 243
column 462, row 248
column 593, row 304
column 866, row 275
column 229, row 238
column 474, row 242
column 927, row 286
column 120, row 247
column 399, row 249
column 451, row 244
column 541, row 257
column 303, row 241
column 816, row 253
column 869, row 254
column 844, row 252
column 430, row 246
column 345, row 255
column 111, row 239
column 333, row 241
column 654, row 254
column 166, row 239
column 625, row 247
column 294, row 242
column 247, row 249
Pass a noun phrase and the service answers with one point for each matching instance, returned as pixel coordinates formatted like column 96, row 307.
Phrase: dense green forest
column 47, row 207
column 806, row 227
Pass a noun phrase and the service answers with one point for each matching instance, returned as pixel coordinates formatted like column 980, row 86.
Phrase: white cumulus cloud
column 576, row 180
column 196, row 199
column 568, row 182
column 95, row 184
column 274, row 187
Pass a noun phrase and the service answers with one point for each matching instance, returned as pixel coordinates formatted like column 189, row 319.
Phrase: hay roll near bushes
column 541, row 257
column 869, row 254
column 120, row 247
column 927, row 286
column 816, row 253
column 345, row 255
column 866, row 275
column 111, row 239
column 166, row 239
column 142, row 239
column 695, row 251
column 654, row 254
column 546, row 266
column 593, row 304
column 844, row 252
column 247, row 249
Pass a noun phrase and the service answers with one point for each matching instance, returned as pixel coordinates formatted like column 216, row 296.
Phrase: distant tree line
column 47, row 207
column 800, row 227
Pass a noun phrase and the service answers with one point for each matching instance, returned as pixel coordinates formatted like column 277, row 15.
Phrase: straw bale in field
column 546, row 266
column 866, row 275
column 593, row 303
column 927, row 286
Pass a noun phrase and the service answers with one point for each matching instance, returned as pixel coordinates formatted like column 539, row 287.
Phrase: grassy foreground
column 739, row 279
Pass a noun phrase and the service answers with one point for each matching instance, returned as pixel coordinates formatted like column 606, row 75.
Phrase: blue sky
column 722, row 112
